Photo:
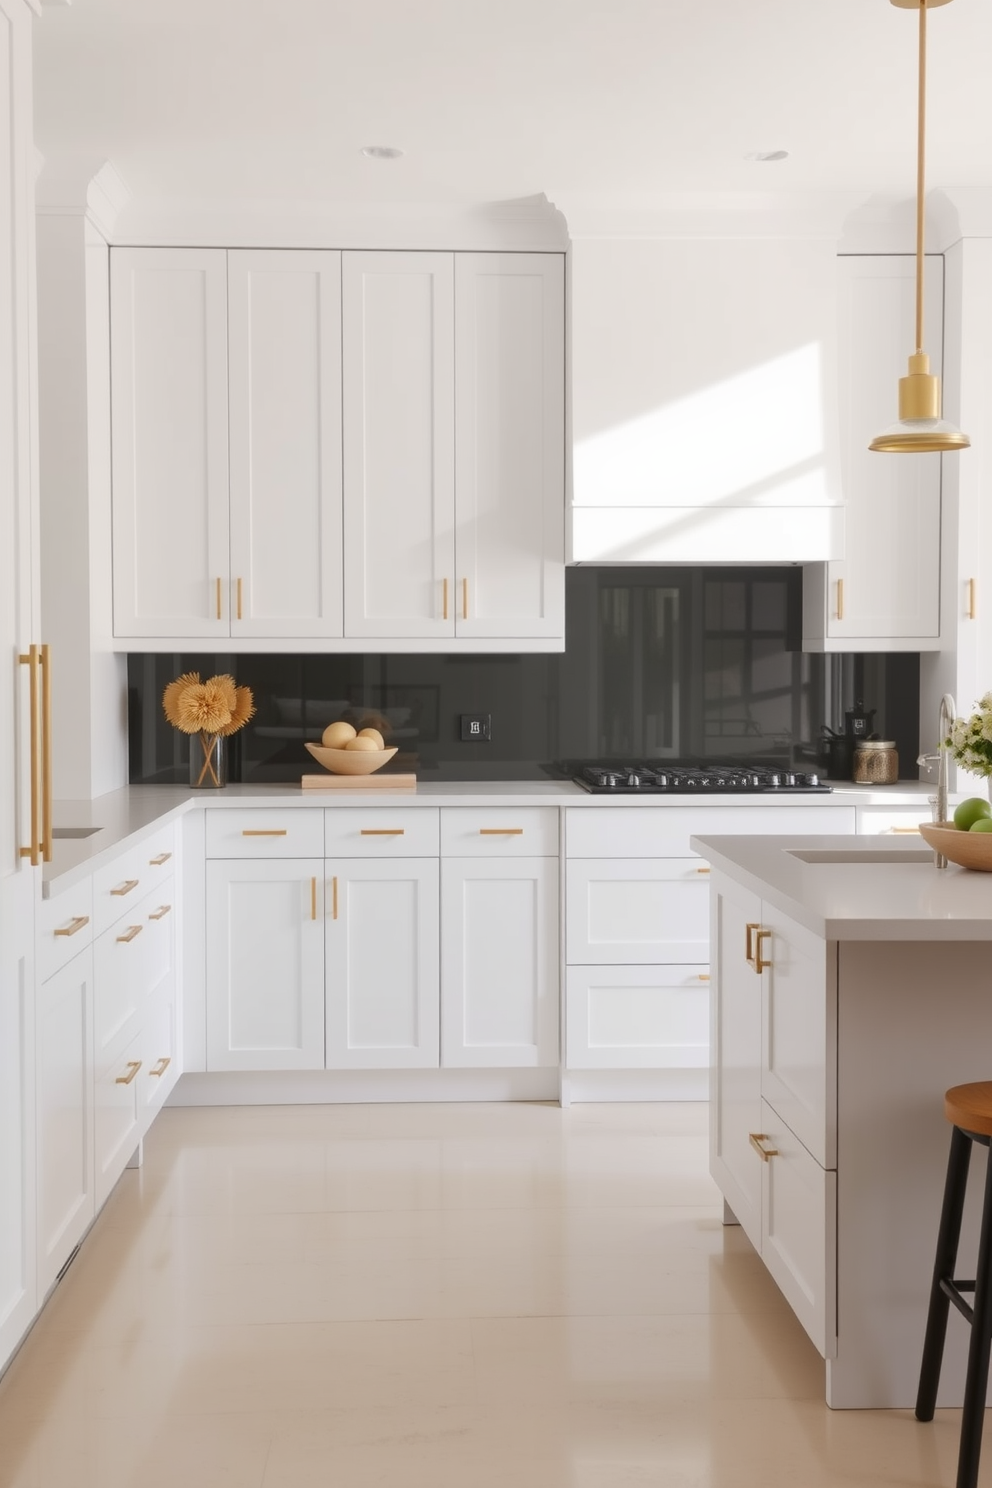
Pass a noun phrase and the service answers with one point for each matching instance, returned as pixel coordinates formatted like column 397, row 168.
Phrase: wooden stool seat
column 970, row 1106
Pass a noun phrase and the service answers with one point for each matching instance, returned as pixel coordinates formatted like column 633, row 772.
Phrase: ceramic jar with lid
column 876, row 762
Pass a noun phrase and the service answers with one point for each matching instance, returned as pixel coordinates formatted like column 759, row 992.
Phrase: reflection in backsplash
column 659, row 663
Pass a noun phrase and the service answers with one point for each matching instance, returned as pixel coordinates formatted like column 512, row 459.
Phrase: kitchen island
column 850, row 989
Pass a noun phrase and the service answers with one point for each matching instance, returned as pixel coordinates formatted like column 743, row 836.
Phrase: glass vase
column 207, row 761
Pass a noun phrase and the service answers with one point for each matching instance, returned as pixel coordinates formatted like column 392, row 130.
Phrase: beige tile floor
column 433, row 1297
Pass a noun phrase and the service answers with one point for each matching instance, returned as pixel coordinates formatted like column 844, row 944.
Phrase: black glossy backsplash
column 659, row 663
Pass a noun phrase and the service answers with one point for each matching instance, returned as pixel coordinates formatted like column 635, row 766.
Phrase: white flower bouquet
column 970, row 739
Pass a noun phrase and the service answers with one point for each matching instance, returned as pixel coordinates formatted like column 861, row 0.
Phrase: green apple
column 967, row 813
column 983, row 824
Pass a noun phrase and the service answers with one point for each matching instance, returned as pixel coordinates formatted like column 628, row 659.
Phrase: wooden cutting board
column 359, row 782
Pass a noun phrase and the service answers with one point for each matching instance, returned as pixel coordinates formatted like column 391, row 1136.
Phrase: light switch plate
column 476, row 727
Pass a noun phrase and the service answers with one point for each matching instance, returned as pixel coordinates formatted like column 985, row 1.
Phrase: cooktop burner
column 680, row 779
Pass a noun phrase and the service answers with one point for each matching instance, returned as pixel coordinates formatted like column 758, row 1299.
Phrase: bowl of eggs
column 345, row 750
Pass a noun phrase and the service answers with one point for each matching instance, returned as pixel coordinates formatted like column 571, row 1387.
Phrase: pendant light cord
column 920, row 156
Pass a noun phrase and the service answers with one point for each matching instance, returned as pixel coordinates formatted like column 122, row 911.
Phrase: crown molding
column 82, row 187
column 693, row 214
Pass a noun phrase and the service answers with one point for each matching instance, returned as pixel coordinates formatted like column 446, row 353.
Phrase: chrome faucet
column 945, row 717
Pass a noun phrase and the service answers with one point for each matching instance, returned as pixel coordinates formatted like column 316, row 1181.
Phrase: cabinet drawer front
column 116, row 1127
column 131, row 960
column 891, row 820
column 143, row 867
column 160, row 1063
column 65, row 927
column 664, row 831
column 637, row 1017
column 799, row 1230
column 488, row 832
column 291, row 833
column 644, row 912
column 381, row 832
column 799, row 1031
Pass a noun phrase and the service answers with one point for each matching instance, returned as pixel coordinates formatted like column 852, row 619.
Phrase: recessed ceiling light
column 767, row 155
column 381, row 152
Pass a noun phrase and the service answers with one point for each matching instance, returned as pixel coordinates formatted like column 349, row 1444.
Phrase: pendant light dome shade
column 920, row 427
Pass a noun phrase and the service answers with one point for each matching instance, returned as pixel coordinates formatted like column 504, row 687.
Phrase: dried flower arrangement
column 212, row 710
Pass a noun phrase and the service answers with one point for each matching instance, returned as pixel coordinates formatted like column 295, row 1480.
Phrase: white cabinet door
column 381, row 919
column 887, row 586
column 499, row 962
column 265, row 965
column 510, row 444
column 735, row 1090
column 170, row 441
column 64, row 1093
column 398, row 361
column 799, row 1229
column 642, row 911
column 637, row 1017
column 285, row 431
column 799, row 1031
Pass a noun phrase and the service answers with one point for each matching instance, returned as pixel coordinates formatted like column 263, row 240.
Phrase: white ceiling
column 614, row 103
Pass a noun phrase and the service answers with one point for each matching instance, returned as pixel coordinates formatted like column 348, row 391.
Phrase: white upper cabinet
column 399, row 438
column 170, row 442
column 509, row 444
column 884, row 593
column 285, row 438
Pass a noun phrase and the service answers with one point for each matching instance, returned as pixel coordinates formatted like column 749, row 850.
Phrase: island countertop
column 858, row 888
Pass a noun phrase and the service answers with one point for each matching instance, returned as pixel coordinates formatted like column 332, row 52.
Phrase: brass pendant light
column 920, row 425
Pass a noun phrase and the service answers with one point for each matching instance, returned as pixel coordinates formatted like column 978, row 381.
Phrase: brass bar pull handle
column 157, row 862
column 972, row 608
column 382, row 832
column 125, row 887
column 265, row 832
column 129, row 935
column 239, row 599
column 218, row 600
column 703, row 870
column 464, row 599
column 749, row 930
column 334, row 897
column 759, row 964
column 313, row 898
column 31, row 660
column 46, row 754
column 74, row 926
column 133, row 1066
column 501, row 831
column 894, row 831
column 162, row 1066
column 758, row 1141
column 444, row 599
column 840, row 599
column 161, row 912
column 703, row 976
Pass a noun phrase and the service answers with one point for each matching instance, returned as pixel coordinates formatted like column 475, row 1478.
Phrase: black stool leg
column 947, row 1253
column 977, row 1379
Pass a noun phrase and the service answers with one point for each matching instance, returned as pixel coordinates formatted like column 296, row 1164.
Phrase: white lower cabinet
column 632, row 912
column 499, row 962
column 381, row 939
column 637, row 1017
column 64, row 1114
column 265, row 965
column 116, row 1118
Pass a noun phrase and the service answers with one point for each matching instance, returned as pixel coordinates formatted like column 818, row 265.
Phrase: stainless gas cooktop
column 688, row 779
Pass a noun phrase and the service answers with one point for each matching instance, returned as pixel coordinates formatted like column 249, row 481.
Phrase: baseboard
column 635, row 1085
column 360, row 1087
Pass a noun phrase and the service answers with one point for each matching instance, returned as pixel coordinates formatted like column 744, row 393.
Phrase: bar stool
column 969, row 1109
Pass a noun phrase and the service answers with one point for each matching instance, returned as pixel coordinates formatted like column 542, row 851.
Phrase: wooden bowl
column 967, row 849
column 351, row 761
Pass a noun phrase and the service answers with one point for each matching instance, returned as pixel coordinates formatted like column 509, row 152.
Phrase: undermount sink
column 58, row 832
column 867, row 855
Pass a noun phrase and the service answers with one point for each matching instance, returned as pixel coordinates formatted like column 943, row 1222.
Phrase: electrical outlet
column 476, row 726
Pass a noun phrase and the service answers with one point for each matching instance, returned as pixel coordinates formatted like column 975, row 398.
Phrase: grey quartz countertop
column 137, row 809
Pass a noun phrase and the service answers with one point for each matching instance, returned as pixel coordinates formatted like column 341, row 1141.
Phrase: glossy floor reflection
column 433, row 1297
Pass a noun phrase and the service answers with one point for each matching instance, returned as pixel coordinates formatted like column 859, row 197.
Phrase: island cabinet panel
column 799, row 1030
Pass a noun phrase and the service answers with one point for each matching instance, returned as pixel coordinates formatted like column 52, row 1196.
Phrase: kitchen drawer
column 641, row 911
column 486, row 832
column 65, row 927
column 116, row 1124
column 799, row 1230
column 265, row 833
column 664, row 831
column 637, row 1017
column 381, row 832
column 131, row 960
column 131, row 875
column 159, row 1064
column 893, row 820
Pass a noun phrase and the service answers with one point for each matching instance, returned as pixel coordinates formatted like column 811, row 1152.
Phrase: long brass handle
column 911, row 830
column 840, row 599
column 163, row 1065
column 157, row 862
column 464, row 599
column 382, row 832
column 265, row 832
column 31, row 659
column 703, row 976
column 130, row 935
column 313, row 898
column 444, row 599
column 46, row 754
column 501, row 831
column 125, row 887
column 749, row 930
column 218, row 599
column 133, row 1066
column 74, row 926
column 972, row 608
column 757, row 1140
column 703, row 870
column 239, row 599
column 161, row 912
column 759, row 964
column 334, row 897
